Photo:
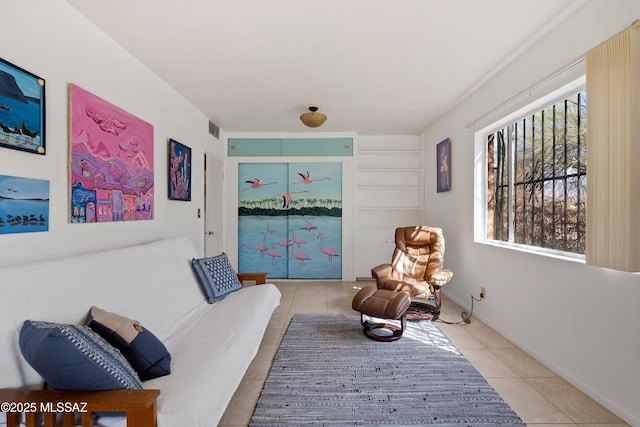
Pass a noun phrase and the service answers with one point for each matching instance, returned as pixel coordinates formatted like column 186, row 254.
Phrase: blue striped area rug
column 327, row 373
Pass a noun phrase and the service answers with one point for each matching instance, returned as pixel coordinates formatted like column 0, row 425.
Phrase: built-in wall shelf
column 390, row 194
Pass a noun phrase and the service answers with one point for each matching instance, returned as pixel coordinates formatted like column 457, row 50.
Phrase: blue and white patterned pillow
column 216, row 277
column 72, row 357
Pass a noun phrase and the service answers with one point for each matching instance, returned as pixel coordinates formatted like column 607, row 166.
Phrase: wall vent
column 214, row 130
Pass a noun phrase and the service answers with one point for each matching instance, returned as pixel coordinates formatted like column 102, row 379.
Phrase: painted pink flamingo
column 306, row 178
column 327, row 249
column 273, row 253
column 284, row 243
column 296, row 241
column 259, row 247
column 309, row 226
column 286, row 197
column 270, row 230
column 257, row 183
column 300, row 255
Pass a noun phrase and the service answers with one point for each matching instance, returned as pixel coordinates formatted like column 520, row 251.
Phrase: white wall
column 50, row 39
column 579, row 320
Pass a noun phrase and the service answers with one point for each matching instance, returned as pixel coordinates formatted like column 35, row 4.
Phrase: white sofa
column 211, row 345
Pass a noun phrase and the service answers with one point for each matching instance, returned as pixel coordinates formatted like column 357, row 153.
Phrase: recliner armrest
column 441, row 277
column 381, row 271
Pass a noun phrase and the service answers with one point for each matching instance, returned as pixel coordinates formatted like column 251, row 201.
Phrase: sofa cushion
column 71, row 357
column 216, row 277
column 147, row 355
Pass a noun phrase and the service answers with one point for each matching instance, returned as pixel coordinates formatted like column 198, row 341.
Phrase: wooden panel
column 389, row 197
column 238, row 147
column 317, row 147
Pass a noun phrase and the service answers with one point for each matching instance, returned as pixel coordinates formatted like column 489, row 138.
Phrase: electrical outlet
column 483, row 293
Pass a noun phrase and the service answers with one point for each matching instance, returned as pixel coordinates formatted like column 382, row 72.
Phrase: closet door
column 290, row 219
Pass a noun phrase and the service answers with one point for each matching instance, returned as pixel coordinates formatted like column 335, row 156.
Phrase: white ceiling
column 375, row 67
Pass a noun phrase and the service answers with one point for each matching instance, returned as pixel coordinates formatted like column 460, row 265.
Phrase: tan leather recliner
column 417, row 267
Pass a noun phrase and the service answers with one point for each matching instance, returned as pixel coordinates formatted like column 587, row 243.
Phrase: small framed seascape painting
column 22, row 116
column 179, row 171
column 443, row 165
column 24, row 204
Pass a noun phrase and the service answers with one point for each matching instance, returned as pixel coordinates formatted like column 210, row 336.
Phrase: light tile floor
column 539, row 396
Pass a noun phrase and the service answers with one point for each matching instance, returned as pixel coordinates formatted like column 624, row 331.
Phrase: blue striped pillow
column 71, row 357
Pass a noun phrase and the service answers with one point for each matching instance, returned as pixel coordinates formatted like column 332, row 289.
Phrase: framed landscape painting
column 443, row 165
column 179, row 171
column 22, row 116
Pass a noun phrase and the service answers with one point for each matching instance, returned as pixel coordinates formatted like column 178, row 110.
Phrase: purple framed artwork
column 24, row 205
column 110, row 162
column 22, row 115
column 443, row 165
column 179, row 171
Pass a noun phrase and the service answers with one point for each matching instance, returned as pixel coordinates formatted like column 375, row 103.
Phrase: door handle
column 210, row 233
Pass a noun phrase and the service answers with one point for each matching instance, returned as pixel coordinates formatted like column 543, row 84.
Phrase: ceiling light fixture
column 313, row 119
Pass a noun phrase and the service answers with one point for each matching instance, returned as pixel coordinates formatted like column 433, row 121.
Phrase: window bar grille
column 527, row 159
column 542, row 176
column 524, row 169
column 565, row 180
column 553, row 176
column 532, row 179
column 579, row 187
column 511, row 152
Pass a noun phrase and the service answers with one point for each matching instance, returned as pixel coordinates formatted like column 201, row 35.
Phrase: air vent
column 214, row 130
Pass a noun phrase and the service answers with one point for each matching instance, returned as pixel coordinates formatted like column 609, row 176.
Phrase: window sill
column 565, row 256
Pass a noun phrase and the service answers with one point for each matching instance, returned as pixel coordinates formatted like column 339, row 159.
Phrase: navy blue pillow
column 216, row 277
column 145, row 352
column 72, row 357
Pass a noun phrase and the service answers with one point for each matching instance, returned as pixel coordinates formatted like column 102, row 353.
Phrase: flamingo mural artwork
column 259, row 247
column 308, row 226
column 286, row 197
column 289, row 212
column 257, row 183
column 306, row 178
column 284, row 243
column 328, row 250
column 273, row 253
column 300, row 255
column 296, row 240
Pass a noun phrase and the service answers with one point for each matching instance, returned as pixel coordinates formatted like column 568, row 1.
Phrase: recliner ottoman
column 382, row 304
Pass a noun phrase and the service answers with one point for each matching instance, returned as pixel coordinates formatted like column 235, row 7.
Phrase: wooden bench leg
column 13, row 419
column 145, row 418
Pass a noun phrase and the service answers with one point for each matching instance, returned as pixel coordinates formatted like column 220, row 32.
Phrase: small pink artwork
column 111, row 162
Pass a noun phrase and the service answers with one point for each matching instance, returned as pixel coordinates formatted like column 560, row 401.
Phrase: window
column 537, row 177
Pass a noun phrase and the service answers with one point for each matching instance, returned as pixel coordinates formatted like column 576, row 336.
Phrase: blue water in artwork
column 23, row 216
column 14, row 116
column 295, row 246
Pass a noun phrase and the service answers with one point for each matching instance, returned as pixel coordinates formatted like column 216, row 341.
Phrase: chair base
column 385, row 332
column 423, row 309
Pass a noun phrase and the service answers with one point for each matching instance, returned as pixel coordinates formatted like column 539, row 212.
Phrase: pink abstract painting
column 111, row 162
